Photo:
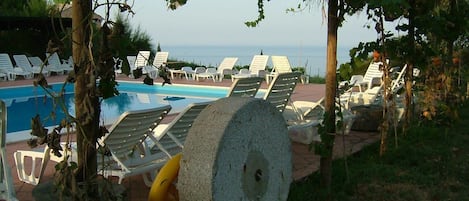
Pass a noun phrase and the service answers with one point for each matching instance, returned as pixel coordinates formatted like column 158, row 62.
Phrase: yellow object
column 162, row 188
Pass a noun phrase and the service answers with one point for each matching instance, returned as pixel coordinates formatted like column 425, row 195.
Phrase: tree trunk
column 331, row 65
column 87, row 107
column 410, row 69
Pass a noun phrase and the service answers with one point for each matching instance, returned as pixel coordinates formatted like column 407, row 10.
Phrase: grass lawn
column 430, row 163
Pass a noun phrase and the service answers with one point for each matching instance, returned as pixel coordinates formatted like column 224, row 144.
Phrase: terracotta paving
column 305, row 161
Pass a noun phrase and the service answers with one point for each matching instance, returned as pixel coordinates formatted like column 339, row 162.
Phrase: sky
column 203, row 22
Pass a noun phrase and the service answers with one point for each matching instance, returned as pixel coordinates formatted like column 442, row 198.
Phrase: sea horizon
column 313, row 58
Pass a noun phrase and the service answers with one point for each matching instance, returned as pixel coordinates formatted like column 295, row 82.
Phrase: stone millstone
column 237, row 149
column 367, row 117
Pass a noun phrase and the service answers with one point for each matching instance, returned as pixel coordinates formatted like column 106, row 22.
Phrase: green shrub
column 317, row 79
column 126, row 41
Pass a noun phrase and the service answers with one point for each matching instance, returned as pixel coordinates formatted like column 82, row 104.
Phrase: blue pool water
column 23, row 103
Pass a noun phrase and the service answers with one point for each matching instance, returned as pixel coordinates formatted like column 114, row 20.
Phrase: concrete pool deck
column 305, row 161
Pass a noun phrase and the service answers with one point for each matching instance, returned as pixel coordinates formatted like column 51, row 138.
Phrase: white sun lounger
column 245, row 87
column 6, row 67
column 280, row 65
column 160, row 60
column 225, row 68
column 256, row 68
column 171, row 137
column 125, row 135
column 281, row 89
column 23, row 62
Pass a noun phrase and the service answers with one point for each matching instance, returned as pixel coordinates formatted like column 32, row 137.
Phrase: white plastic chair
column 242, row 73
column 209, row 73
column 188, row 72
column 353, row 80
column 198, row 70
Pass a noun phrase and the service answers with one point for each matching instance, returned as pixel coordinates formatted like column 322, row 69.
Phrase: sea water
column 313, row 58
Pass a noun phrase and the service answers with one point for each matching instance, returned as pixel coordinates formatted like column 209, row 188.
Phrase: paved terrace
column 305, row 161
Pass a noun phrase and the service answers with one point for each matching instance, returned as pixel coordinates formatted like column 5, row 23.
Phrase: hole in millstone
column 258, row 175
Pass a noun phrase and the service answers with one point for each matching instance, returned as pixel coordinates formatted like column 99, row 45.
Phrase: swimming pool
column 23, row 103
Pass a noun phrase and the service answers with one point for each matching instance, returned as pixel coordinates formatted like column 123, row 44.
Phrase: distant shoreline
column 313, row 57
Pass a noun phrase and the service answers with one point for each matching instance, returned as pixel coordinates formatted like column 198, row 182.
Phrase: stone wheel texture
column 237, row 149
